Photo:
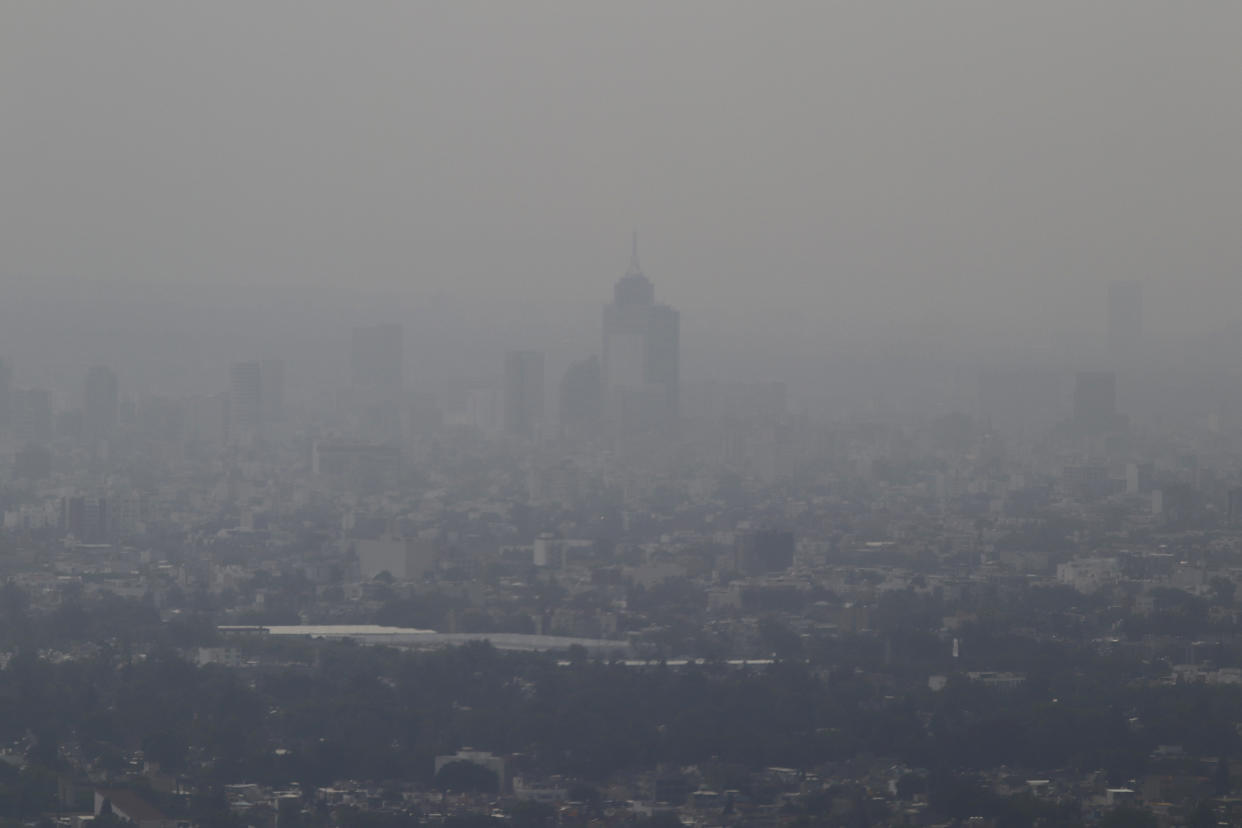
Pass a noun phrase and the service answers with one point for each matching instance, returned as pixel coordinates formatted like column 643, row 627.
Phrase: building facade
column 641, row 357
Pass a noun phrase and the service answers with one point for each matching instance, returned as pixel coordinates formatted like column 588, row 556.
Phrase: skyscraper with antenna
column 641, row 347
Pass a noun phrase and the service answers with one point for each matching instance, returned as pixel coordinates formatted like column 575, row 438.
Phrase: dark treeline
column 379, row 714
column 318, row 712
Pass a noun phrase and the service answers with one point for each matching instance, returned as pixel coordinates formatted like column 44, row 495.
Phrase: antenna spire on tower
column 635, row 267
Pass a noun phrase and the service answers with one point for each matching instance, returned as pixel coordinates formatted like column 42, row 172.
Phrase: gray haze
column 893, row 477
column 234, row 178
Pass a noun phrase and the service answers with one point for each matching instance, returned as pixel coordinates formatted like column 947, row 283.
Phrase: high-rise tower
column 245, row 403
column 641, row 354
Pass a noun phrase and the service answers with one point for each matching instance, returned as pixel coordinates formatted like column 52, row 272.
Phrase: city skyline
column 901, row 188
column 377, row 355
column 351, row 478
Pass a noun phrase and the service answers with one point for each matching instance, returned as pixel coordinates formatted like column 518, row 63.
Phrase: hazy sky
column 796, row 166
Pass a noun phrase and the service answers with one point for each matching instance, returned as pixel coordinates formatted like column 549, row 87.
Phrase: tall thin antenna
column 635, row 267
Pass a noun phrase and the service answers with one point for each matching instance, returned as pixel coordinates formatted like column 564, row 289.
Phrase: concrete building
column 757, row 551
column 1088, row 574
column 86, row 518
column 356, row 465
column 125, row 513
column 1086, row 481
column 481, row 409
column 641, row 348
column 1139, row 478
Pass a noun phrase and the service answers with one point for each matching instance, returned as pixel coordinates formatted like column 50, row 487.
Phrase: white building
column 1088, row 574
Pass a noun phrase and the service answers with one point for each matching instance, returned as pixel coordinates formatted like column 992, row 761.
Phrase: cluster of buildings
column 652, row 519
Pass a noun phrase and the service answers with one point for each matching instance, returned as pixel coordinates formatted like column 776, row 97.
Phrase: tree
column 167, row 748
column 590, row 797
column 106, row 818
column 531, row 814
column 289, row 812
column 1223, row 590
column 1128, row 817
column 778, row 639
column 911, row 784
column 209, row 808
column 1203, row 816
column 462, row 776
column 665, row 819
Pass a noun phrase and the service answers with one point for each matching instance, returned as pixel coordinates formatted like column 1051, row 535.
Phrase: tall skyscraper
column 245, row 403
column 524, row 394
column 1125, row 321
column 100, row 404
column 86, row 518
column 375, row 358
column 641, row 355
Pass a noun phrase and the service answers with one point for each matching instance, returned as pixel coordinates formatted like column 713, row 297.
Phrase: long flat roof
column 412, row 637
column 325, row 630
